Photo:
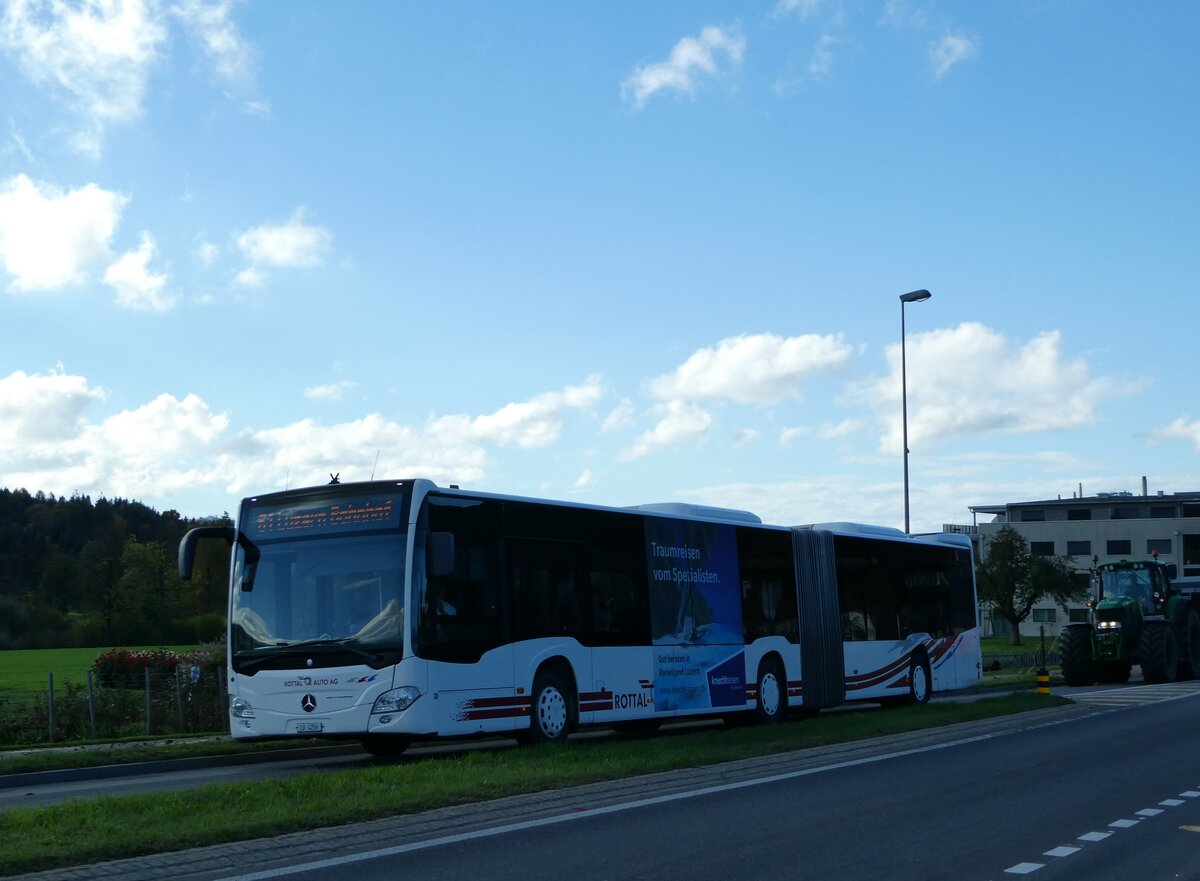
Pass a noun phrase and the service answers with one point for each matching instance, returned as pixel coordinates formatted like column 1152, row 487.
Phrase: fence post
column 147, row 672
column 179, row 700
column 91, row 706
column 52, row 708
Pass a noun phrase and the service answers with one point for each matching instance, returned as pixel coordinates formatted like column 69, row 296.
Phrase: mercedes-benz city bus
column 394, row 611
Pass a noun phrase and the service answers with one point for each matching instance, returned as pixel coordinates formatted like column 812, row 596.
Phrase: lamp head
column 915, row 296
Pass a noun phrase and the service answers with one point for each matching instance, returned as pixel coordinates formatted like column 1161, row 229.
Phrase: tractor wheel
column 1188, row 636
column 1076, row 651
column 1160, row 652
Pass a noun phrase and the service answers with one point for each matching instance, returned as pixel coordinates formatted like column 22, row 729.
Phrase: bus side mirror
column 439, row 554
column 187, row 547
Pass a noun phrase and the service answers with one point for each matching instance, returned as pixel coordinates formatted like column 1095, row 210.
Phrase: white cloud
column 170, row 444
column 901, row 13
column 232, row 57
column 745, row 436
column 95, row 55
column 820, row 66
column 250, row 278
column 50, row 238
column 207, row 253
column 950, row 50
column 330, row 392
column 788, row 436
column 971, row 380
column 803, row 8
column 585, row 480
column 845, row 428
column 691, row 57
column 136, row 286
column 36, row 409
column 1181, row 429
column 758, row 369
column 679, row 422
column 538, row 421
column 292, row 244
column 621, row 416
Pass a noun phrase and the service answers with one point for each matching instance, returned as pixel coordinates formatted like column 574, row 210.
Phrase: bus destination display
column 325, row 516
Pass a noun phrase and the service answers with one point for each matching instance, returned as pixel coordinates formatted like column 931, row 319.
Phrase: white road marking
column 1171, row 802
column 1149, row 812
column 1024, row 868
column 1123, row 824
column 1094, row 836
column 1191, row 793
column 1063, row 851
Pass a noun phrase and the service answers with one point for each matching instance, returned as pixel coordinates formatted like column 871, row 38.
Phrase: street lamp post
column 911, row 297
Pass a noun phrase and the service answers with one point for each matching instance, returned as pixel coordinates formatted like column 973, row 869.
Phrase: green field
column 26, row 672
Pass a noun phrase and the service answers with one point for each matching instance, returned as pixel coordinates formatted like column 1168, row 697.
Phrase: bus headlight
column 397, row 700
column 240, row 709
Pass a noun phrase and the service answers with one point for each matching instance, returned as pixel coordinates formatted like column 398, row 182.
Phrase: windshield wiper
column 323, row 646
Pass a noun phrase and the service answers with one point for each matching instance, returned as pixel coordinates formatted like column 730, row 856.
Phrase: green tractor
column 1138, row 617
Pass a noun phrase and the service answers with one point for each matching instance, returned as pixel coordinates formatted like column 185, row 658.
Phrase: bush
column 122, row 668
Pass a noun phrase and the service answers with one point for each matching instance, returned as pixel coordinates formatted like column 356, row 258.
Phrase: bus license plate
column 310, row 727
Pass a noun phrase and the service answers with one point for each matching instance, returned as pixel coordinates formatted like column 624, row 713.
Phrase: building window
column 1191, row 510
column 1119, row 547
column 1158, row 545
column 1079, row 548
column 1041, row 548
column 1032, row 515
column 1045, row 616
column 1125, row 512
column 1077, row 616
column 1162, row 512
column 1079, row 513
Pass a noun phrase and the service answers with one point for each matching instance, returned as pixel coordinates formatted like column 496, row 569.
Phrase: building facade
column 1091, row 529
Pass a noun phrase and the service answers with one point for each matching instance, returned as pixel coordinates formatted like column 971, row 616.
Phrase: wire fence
column 185, row 700
column 1022, row 660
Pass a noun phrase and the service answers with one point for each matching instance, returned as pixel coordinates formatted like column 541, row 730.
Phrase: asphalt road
column 1106, row 790
column 1112, row 796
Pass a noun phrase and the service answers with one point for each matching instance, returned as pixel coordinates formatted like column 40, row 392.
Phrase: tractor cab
column 1128, row 584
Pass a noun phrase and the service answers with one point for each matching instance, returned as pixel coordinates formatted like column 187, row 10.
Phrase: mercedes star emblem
column 309, row 703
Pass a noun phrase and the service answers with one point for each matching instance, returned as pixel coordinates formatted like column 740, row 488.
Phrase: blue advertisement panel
column 695, row 615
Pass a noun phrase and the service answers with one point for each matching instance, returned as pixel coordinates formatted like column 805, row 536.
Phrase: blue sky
column 611, row 252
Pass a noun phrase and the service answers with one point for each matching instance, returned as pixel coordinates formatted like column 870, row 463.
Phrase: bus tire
column 550, row 710
column 920, row 680
column 385, row 746
column 771, row 704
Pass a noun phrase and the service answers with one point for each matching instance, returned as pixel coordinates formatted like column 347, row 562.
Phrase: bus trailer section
column 394, row 611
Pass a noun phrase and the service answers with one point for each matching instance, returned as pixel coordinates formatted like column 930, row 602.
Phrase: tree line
column 74, row 572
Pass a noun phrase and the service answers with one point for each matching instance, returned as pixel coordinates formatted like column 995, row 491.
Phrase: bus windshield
column 343, row 589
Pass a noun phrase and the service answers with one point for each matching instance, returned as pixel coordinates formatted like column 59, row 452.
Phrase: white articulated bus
column 394, row 611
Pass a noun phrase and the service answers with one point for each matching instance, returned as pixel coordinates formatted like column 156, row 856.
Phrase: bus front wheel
column 550, row 720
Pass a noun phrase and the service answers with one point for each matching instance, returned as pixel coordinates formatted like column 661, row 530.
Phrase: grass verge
column 84, row 831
